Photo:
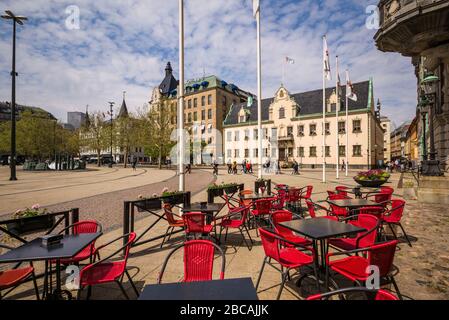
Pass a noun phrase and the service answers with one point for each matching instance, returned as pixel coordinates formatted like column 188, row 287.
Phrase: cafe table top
column 362, row 190
column 321, row 228
column 353, row 203
column 257, row 196
column 227, row 289
column 207, row 208
column 69, row 247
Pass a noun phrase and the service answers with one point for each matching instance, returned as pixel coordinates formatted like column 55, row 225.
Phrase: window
column 242, row 118
column 356, row 126
column 312, row 151
column 209, row 141
column 342, row 151
column 289, row 131
column 203, row 114
column 209, row 114
column 246, row 153
column 203, row 101
column 190, row 117
column 273, row 152
column 236, row 137
column 265, row 152
column 327, row 128
column 229, row 153
column 312, row 130
column 265, row 133
column 341, row 127
column 301, row 130
column 185, row 118
column 300, row 151
column 209, row 128
column 274, row 133
column 255, row 153
column 189, row 103
column 328, row 151
column 229, row 136
column 281, row 113
column 195, row 102
column 246, row 134
column 256, row 134
column 290, row 152
column 236, row 153
column 195, row 116
column 209, row 99
column 357, row 150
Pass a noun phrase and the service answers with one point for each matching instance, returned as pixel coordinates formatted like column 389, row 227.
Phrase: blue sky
column 124, row 45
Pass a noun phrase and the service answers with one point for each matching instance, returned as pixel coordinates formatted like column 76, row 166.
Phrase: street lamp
column 431, row 166
column 111, row 104
column 16, row 19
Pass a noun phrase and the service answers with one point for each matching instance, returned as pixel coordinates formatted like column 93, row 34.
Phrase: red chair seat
column 390, row 219
column 10, row 278
column 296, row 239
column 255, row 212
column 103, row 272
column 292, row 258
column 344, row 243
column 353, row 267
column 231, row 223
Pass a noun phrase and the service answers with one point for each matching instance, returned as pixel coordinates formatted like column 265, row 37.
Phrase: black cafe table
column 210, row 209
column 227, row 289
column 320, row 230
column 69, row 247
column 360, row 191
column 353, row 203
column 257, row 196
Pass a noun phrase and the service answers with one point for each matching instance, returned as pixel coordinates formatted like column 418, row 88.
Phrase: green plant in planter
column 222, row 186
column 30, row 212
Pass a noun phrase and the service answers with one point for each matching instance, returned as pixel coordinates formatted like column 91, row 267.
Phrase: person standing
column 229, row 166
column 244, row 166
column 234, row 167
column 343, row 165
column 134, row 163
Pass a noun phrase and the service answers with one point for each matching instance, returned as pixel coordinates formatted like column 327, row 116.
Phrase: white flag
column 349, row 88
column 326, row 61
column 289, row 60
column 256, row 7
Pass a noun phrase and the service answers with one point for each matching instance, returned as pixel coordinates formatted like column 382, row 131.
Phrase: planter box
column 31, row 224
column 215, row 192
column 371, row 183
column 174, row 199
column 148, row 204
column 232, row 189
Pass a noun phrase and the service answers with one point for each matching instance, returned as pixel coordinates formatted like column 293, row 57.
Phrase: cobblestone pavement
column 423, row 267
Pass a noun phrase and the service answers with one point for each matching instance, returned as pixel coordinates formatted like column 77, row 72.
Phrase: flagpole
column 259, row 91
column 346, row 128
column 284, row 62
column 324, row 113
column 181, row 97
column 337, row 106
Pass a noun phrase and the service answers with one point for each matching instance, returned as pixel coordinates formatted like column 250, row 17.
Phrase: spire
column 168, row 70
column 169, row 84
column 123, row 109
column 87, row 118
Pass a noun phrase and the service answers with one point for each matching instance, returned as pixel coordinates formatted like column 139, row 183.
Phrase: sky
column 124, row 45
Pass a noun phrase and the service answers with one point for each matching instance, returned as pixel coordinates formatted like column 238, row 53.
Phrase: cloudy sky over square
column 124, row 46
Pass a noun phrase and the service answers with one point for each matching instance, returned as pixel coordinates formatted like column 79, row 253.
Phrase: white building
column 292, row 129
column 386, row 126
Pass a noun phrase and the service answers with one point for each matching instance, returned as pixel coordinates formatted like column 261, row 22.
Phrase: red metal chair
column 342, row 190
column 312, row 207
column 12, row 278
column 293, row 195
column 279, row 200
column 340, row 212
column 363, row 239
column 288, row 257
column 240, row 224
column 393, row 216
column 381, row 197
column 263, row 209
column 356, row 267
column 305, row 193
column 243, row 202
column 172, row 222
column 198, row 260
column 107, row 270
column 282, row 216
column 195, row 223
column 85, row 226
column 371, row 294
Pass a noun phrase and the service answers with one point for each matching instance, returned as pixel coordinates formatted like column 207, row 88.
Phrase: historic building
column 292, row 129
column 398, row 140
column 411, row 143
column 386, row 126
column 207, row 100
column 5, row 112
column 419, row 29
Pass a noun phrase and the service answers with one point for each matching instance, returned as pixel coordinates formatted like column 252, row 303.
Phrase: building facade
column 386, row 126
column 419, row 29
column 207, row 100
column 76, row 119
column 411, row 143
column 292, row 129
column 398, row 140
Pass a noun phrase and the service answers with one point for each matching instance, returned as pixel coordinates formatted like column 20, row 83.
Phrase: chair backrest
column 281, row 216
column 169, row 213
column 131, row 238
column 270, row 244
column 263, row 206
column 389, row 190
column 243, row 201
column 194, row 221
column 311, row 208
column 337, row 196
column 396, row 211
column 293, row 194
column 309, row 190
column 382, row 256
column 331, row 193
column 375, row 211
column 198, row 260
column 86, row 226
column 370, row 223
column 342, row 190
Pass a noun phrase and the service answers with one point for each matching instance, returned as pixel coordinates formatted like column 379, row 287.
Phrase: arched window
column 281, row 113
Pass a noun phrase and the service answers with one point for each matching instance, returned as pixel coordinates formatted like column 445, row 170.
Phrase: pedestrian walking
column 343, row 165
column 134, row 163
column 229, row 163
column 234, row 167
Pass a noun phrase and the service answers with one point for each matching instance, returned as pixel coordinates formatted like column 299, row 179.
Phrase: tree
column 127, row 129
column 96, row 135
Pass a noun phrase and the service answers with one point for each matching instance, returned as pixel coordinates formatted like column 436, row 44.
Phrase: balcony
column 412, row 26
column 286, row 138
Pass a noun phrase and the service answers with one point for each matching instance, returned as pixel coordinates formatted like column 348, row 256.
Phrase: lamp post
column 430, row 166
column 16, row 19
column 111, row 104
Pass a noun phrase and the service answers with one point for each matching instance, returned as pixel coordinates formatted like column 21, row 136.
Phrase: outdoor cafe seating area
column 333, row 246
